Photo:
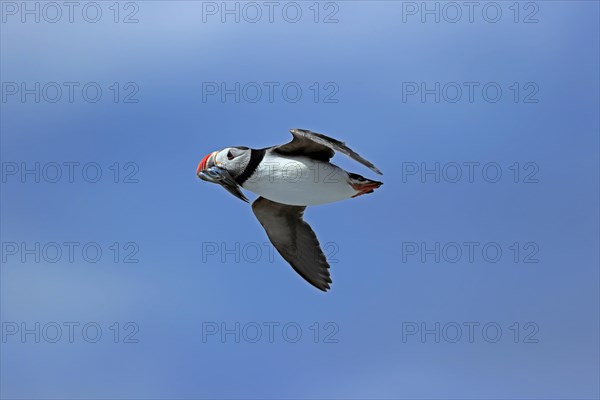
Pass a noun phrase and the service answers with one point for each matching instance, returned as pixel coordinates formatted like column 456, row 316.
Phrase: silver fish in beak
column 222, row 177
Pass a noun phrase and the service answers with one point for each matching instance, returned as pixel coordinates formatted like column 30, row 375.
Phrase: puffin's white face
column 233, row 159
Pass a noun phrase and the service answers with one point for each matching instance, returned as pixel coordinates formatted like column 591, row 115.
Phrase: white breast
column 299, row 181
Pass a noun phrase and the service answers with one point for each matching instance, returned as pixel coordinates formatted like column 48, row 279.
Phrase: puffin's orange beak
column 203, row 164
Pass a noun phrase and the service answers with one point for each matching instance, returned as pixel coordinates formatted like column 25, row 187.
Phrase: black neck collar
column 256, row 157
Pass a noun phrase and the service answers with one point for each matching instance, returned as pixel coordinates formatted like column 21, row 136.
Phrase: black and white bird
column 288, row 178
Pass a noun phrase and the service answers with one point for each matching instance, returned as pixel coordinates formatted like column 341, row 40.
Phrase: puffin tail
column 362, row 185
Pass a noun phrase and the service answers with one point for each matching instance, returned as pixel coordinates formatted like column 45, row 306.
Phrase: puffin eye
column 229, row 155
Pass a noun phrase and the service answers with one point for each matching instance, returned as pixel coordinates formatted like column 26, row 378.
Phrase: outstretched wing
column 294, row 240
column 319, row 146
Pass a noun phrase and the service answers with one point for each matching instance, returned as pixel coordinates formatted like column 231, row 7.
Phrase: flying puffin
column 288, row 178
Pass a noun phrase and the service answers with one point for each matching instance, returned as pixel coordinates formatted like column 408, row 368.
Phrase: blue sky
column 183, row 263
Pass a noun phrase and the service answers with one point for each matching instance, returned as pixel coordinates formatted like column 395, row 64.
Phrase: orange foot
column 365, row 187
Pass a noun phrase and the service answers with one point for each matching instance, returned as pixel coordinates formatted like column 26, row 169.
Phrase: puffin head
column 232, row 159
column 230, row 163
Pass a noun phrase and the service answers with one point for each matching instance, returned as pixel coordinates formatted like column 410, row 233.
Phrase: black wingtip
column 323, row 286
column 324, row 289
